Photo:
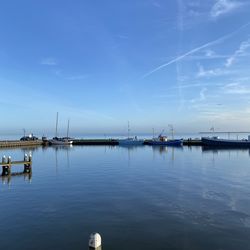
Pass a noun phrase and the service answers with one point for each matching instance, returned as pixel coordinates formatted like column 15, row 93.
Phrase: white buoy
column 95, row 240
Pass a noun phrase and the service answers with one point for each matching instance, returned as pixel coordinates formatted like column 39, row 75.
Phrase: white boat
column 130, row 141
column 63, row 140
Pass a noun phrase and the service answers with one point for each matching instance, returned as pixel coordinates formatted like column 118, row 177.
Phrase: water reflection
column 146, row 206
column 65, row 148
column 27, row 176
column 98, row 248
column 206, row 149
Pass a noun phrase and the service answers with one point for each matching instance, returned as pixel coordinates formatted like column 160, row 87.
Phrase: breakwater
column 111, row 142
column 93, row 142
column 18, row 143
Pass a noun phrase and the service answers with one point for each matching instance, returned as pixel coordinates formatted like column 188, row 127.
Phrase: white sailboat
column 130, row 141
column 61, row 140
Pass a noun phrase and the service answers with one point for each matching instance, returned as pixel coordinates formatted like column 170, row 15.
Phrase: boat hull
column 128, row 142
column 60, row 142
column 214, row 142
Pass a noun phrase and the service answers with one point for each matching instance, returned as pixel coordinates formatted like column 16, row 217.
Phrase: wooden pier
column 7, row 164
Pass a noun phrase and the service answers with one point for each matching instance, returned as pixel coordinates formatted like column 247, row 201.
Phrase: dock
column 89, row 142
column 18, row 143
column 108, row 142
column 7, row 164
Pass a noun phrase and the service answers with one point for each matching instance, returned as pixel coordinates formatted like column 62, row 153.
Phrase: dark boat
column 217, row 142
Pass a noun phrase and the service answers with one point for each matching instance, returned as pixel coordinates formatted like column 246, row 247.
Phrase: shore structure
column 19, row 143
column 114, row 142
column 93, row 142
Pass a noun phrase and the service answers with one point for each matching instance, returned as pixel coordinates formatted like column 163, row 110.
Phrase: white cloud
column 209, row 53
column 236, row 88
column 239, row 52
column 211, row 72
column 222, row 7
column 49, row 61
column 202, row 96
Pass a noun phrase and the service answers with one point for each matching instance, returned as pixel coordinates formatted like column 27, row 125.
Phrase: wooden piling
column 7, row 165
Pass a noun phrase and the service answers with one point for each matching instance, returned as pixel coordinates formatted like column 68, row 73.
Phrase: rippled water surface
column 136, row 198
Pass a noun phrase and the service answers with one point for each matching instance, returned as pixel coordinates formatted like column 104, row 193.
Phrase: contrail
column 195, row 50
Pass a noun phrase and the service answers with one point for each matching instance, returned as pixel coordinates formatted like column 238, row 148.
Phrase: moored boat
column 61, row 140
column 164, row 141
column 130, row 141
column 217, row 142
column 133, row 141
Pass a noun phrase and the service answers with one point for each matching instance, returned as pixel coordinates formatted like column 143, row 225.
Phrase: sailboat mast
column 171, row 130
column 68, row 129
column 56, row 122
column 128, row 130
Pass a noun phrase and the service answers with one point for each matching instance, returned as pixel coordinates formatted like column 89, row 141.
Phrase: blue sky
column 102, row 63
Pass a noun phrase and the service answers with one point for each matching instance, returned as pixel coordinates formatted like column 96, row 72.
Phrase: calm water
column 136, row 198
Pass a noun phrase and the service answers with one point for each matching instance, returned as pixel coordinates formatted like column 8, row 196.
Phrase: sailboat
column 130, row 141
column 63, row 140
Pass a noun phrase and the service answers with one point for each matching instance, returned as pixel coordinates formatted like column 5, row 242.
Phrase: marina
column 113, row 142
column 125, row 125
column 93, row 142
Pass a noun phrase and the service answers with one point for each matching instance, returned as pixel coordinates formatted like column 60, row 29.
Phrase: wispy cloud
column 239, row 52
column 222, row 7
column 236, row 88
column 211, row 72
column 206, row 54
column 202, row 96
column 206, row 45
column 49, row 61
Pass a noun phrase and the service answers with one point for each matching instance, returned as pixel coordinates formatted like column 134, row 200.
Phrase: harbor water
column 135, row 197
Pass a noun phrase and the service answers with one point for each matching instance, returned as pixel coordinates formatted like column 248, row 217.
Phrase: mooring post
column 95, row 241
column 6, row 168
column 27, row 166
column 25, row 158
column 30, row 158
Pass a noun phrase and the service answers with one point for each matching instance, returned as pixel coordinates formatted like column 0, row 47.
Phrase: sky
column 104, row 63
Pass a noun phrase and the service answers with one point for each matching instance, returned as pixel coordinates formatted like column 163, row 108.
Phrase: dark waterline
column 136, row 198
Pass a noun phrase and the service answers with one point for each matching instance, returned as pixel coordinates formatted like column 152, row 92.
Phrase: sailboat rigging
column 61, row 141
